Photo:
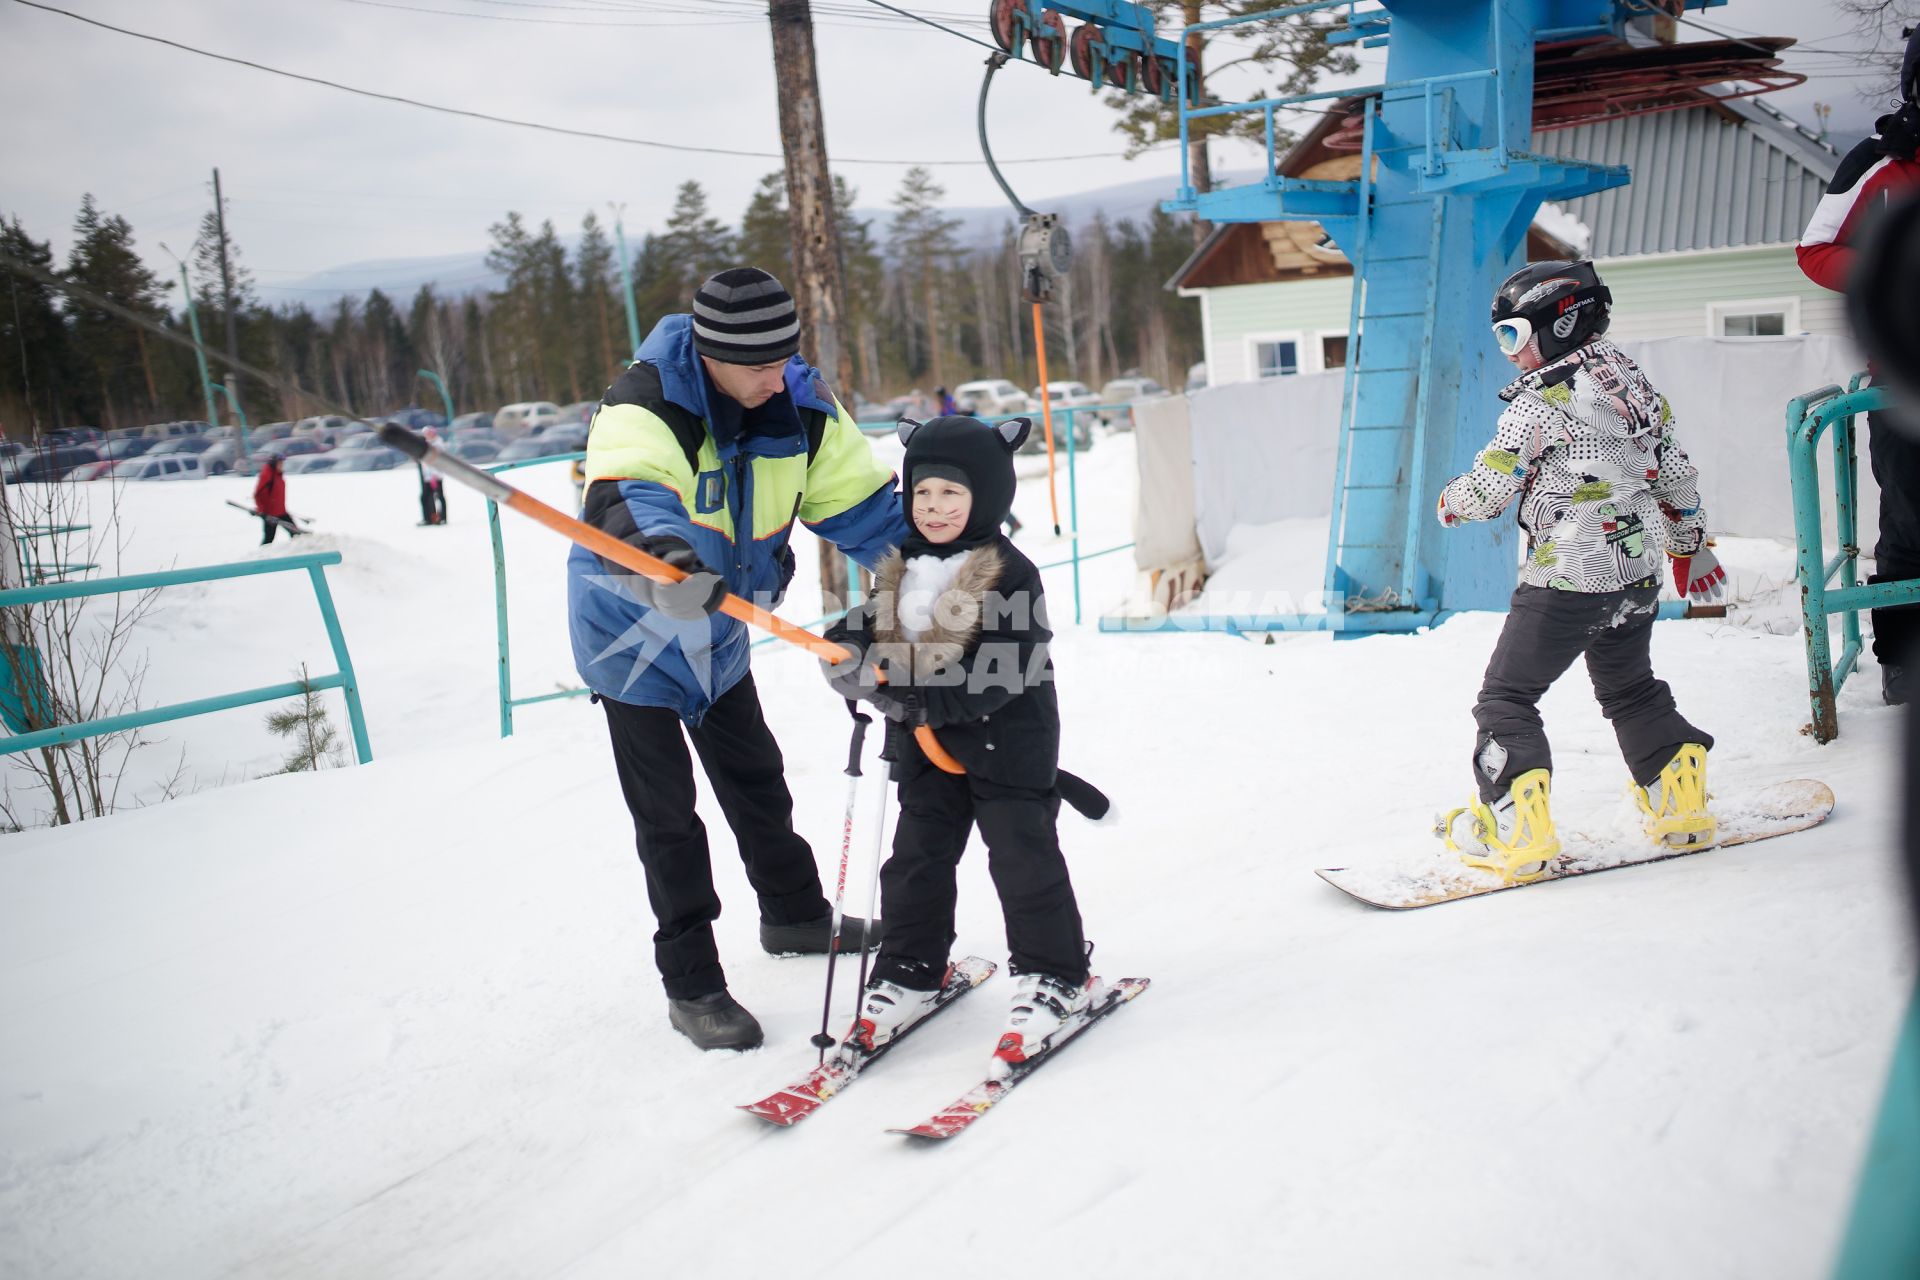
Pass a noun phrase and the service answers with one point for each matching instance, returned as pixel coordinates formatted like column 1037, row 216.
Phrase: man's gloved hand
column 851, row 677
column 1699, row 578
column 1446, row 517
column 693, row 597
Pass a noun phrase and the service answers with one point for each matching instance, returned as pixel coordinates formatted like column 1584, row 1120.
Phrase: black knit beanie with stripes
column 745, row 316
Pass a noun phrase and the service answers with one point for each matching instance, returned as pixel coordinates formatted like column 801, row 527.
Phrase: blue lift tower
column 1437, row 218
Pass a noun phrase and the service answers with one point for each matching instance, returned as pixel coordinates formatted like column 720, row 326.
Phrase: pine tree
column 766, row 230
column 36, row 356
column 309, row 730
column 596, row 277
column 922, row 240
column 119, row 384
column 864, row 272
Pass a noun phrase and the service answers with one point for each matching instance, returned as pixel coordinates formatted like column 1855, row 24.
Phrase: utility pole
column 819, row 287
column 1198, row 162
column 199, row 347
column 233, row 344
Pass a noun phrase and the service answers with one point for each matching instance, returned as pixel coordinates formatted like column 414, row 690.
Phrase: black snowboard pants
column 1895, row 458
column 1545, row 631
column 744, row 767
column 918, row 885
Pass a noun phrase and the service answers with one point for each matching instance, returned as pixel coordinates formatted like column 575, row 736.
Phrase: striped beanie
column 744, row 316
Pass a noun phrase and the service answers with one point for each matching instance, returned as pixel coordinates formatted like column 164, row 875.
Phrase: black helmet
column 1563, row 304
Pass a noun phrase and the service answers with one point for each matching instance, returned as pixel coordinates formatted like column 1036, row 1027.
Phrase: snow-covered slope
column 401, row 1020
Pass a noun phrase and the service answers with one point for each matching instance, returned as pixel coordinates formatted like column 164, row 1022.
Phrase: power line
column 547, row 22
column 531, row 124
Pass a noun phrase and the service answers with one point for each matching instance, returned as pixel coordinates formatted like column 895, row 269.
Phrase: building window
column 1276, row 359
column 1754, row 318
column 1333, row 351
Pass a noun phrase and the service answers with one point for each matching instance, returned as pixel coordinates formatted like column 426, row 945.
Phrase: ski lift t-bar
column 628, row 557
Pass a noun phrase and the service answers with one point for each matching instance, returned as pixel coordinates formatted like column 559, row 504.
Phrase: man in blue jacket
column 704, row 453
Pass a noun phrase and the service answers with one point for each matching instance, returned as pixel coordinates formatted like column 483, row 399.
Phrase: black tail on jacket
column 1087, row 800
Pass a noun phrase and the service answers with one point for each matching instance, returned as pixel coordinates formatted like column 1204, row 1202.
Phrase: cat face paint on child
column 940, row 508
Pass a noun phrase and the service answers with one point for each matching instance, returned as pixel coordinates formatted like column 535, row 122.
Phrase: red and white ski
column 790, row 1105
column 976, row 1102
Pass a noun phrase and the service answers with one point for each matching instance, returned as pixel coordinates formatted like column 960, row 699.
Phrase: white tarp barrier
column 1264, row 451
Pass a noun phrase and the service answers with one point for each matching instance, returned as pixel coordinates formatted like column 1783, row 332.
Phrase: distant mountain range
column 457, row 274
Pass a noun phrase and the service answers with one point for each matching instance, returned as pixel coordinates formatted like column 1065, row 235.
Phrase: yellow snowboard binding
column 1674, row 809
column 1513, row 837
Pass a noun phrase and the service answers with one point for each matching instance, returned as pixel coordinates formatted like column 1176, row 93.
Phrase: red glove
column 1699, row 578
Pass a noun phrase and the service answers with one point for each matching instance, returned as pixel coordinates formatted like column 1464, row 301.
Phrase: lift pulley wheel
column 1080, row 50
column 1049, row 41
column 1004, row 18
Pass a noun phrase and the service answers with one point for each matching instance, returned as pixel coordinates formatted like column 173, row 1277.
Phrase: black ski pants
column 918, row 884
column 1895, row 457
column 1545, row 631
column 270, row 523
column 744, row 767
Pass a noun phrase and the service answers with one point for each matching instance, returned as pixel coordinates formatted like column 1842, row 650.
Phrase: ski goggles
column 1513, row 334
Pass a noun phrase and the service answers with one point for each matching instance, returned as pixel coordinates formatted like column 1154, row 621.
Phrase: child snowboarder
column 1587, row 445
column 957, row 622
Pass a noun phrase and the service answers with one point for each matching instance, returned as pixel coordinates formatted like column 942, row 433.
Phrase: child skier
column 958, row 624
column 1587, row 445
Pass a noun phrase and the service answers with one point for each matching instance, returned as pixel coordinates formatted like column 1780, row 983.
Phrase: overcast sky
column 317, row 178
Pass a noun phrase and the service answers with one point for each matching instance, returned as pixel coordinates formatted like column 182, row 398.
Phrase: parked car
column 566, row 438
column 359, row 440
column 128, row 446
column 270, row 431
column 172, row 466
column 52, row 463
column 165, row 430
column 477, row 435
column 222, row 455
column 180, row 444
column 1127, row 391
column 291, row 448
column 991, row 398
column 324, row 428
column 534, row 447
column 478, row 452
column 468, row 421
column 382, row 459
column 580, row 411
column 307, row 463
column 94, row 470
column 417, row 419
column 515, row 420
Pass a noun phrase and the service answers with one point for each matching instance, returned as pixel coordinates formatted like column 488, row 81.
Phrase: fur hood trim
column 953, row 620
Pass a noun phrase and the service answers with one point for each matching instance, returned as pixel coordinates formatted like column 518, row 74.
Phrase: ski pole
column 873, row 889
column 861, row 720
column 630, row 557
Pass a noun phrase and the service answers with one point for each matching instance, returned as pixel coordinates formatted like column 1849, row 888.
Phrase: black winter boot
column 715, row 1021
column 1896, row 685
column 815, row 937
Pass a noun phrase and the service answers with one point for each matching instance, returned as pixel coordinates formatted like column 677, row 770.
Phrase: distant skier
column 1879, row 169
column 433, row 488
column 958, row 620
column 1587, row 446
column 270, row 501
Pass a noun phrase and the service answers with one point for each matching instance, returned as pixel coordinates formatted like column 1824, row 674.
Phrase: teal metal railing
column 505, row 665
column 314, row 564
column 1808, row 418
column 1883, row 1233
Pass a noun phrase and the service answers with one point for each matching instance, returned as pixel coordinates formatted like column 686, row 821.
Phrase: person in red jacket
column 1877, row 171
column 270, row 501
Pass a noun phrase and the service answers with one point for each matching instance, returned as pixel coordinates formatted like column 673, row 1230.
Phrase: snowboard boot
column 815, row 937
column 887, row 1007
column 1674, row 809
column 1513, row 837
column 714, row 1021
column 1042, row 1004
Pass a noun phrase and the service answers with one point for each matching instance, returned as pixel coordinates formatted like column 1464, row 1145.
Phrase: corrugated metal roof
column 1704, row 178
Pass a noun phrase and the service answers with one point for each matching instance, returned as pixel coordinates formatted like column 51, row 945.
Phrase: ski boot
column 1513, row 837
column 887, row 1008
column 1042, row 1004
column 1674, row 809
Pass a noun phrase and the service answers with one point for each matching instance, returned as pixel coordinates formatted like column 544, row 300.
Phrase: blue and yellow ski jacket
column 663, row 460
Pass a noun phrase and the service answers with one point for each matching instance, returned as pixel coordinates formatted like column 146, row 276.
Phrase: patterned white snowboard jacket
column 1605, row 489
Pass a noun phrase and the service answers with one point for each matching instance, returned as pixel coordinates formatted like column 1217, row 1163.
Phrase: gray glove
column 852, row 678
column 696, row 596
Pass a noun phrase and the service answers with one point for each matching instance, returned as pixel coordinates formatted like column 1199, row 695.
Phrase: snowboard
column 1744, row 817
